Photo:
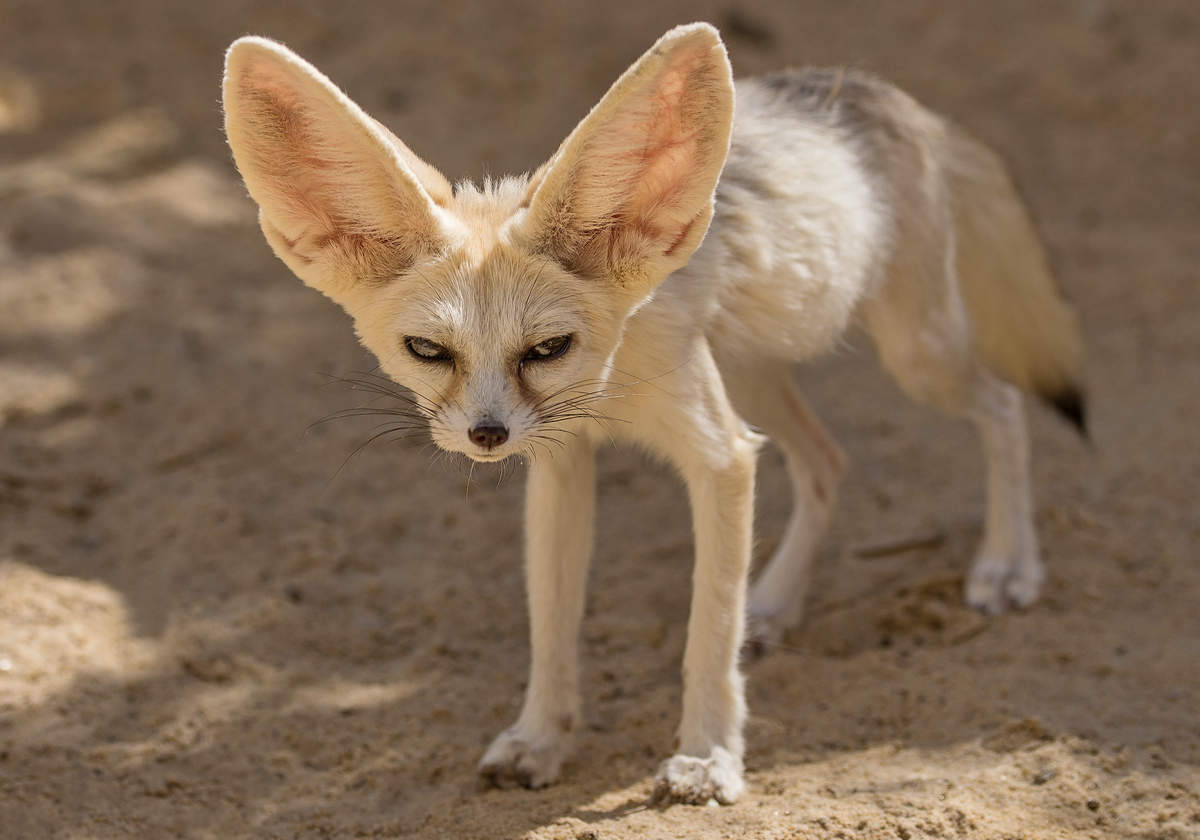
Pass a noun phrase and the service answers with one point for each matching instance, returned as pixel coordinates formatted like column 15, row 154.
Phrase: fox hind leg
column 1008, row 569
column 921, row 330
column 767, row 398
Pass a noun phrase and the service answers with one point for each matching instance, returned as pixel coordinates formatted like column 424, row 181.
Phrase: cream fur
column 839, row 198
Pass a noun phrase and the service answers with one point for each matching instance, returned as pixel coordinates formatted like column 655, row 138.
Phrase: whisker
column 574, row 386
column 409, row 432
column 383, row 386
column 364, row 412
column 530, row 453
column 542, row 437
column 576, row 415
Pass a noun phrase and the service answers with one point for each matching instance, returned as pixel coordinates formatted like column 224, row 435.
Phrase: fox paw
column 763, row 632
column 696, row 781
column 517, row 758
column 998, row 583
column 765, row 628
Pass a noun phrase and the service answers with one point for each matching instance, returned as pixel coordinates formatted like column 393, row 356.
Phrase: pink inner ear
column 284, row 150
column 331, row 186
column 670, row 156
column 680, row 238
column 665, row 169
column 274, row 108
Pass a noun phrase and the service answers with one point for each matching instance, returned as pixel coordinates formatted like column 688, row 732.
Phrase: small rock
column 1044, row 775
column 217, row 668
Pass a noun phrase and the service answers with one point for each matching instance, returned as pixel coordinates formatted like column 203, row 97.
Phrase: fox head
column 495, row 305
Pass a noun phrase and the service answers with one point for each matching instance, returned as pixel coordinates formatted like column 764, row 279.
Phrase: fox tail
column 1024, row 330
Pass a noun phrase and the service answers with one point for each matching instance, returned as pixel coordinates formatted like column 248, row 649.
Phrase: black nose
column 488, row 434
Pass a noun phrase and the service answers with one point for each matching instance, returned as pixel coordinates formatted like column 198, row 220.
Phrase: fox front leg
column 693, row 423
column 559, row 516
column 708, row 761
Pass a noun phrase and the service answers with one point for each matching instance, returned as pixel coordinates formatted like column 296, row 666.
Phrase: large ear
column 341, row 200
column 629, row 194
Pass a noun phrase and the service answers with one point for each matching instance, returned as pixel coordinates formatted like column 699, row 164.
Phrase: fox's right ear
column 341, row 200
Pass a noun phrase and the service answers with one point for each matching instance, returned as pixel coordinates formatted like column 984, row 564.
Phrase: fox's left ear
column 629, row 194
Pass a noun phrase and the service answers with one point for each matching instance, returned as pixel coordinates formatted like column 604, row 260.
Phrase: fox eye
column 426, row 350
column 551, row 348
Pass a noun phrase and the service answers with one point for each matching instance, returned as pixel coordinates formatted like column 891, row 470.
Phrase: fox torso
column 796, row 238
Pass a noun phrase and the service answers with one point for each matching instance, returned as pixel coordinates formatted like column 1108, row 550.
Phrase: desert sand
column 214, row 624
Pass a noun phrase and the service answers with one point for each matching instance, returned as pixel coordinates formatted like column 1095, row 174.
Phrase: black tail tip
column 1070, row 403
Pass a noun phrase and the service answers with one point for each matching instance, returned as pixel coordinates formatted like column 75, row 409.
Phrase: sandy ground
column 212, row 627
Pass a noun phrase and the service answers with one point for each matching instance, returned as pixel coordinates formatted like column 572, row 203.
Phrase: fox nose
column 489, row 434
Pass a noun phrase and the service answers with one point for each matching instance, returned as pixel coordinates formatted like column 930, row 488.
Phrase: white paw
column 531, row 760
column 696, row 781
column 1000, row 582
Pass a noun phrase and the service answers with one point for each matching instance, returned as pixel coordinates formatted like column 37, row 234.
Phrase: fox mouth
column 491, row 456
column 488, row 457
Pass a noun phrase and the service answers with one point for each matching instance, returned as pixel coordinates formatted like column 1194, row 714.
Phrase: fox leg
column 559, row 524
column 921, row 330
column 765, row 395
column 689, row 419
column 1008, row 569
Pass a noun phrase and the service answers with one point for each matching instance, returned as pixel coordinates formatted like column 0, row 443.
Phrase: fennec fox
column 539, row 315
